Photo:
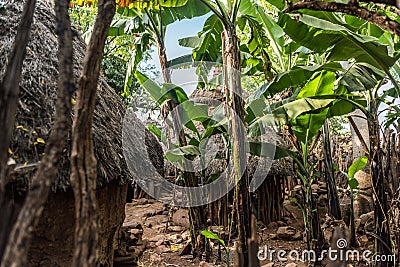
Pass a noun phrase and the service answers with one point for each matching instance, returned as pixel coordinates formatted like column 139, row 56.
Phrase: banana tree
column 148, row 21
column 261, row 39
column 221, row 30
column 219, row 42
column 355, row 167
column 229, row 16
column 374, row 64
column 183, row 154
column 357, row 87
column 306, row 116
column 155, row 16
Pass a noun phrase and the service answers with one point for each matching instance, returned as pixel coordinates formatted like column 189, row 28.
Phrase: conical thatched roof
column 213, row 98
column 38, row 91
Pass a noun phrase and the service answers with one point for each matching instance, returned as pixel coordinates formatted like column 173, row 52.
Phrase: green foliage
column 112, row 66
column 362, row 77
column 288, row 112
column 353, row 183
column 322, row 84
column 164, row 92
column 206, row 46
column 156, row 131
column 123, row 52
column 147, row 21
column 267, row 38
column 187, row 112
column 211, row 235
column 297, row 76
column 337, row 41
column 339, row 126
column 83, row 17
column 180, row 153
column 357, row 166
column 320, row 35
column 118, row 49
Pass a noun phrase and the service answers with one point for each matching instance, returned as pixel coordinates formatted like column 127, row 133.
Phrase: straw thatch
column 269, row 196
column 52, row 243
column 213, row 98
column 36, row 105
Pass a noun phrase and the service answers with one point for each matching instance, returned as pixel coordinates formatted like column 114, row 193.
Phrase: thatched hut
column 270, row 195
column 52, row 244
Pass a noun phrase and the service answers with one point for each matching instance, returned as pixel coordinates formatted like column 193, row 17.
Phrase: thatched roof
column 212, row 98
column 38, row 91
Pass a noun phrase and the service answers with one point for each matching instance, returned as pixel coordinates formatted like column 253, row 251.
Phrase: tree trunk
column 20, row 236
column 236, row 114
column 353, row 241
column 383, row 243
column 333, row 207
column 9, row 91
column 196, row 214
column 317, row 234
column 253, row 244
column 9, row 86
column 83, row 161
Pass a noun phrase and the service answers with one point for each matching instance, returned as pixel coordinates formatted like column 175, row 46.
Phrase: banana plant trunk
column 383, row 241
column 196, row 214
column 236, row 114
column 333, row 207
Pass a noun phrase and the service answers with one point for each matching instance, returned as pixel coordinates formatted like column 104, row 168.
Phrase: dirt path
column 160, row 234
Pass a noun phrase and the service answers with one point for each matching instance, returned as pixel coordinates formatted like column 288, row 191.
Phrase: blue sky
column 176, row 31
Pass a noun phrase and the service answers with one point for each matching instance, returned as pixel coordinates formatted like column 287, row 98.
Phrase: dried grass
column 38, row 90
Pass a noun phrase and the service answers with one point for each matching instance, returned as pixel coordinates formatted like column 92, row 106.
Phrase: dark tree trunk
column 317, row 233
column 9, row 91
column 383, row 241
column 83, row 161
column 9, row 86
column 333, row 207
column 196, row 214
column 253, row 244
column 236, row 114
column 353, row 241
column 19, row 240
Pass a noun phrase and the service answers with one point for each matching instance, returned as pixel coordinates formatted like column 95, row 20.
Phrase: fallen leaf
column 22, row 128
column 177, row 247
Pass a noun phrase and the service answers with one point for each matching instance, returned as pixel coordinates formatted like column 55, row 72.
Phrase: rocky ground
column 156, row 235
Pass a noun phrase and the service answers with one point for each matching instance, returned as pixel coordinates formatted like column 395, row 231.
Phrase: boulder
column 288, row 233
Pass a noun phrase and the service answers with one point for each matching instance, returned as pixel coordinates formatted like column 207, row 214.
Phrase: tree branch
column 351, row 9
